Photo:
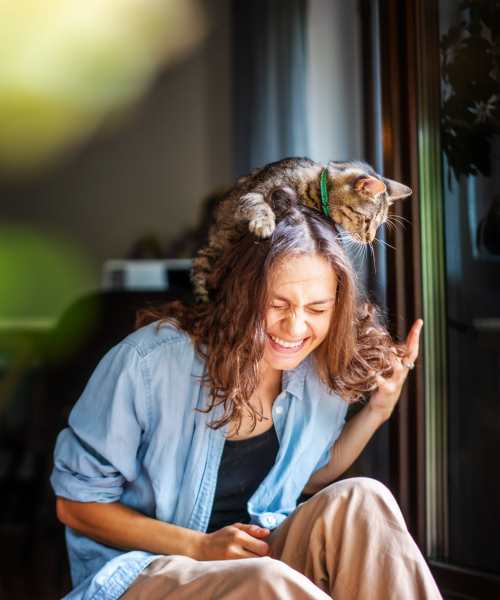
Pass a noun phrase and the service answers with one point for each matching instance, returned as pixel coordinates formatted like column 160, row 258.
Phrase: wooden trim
column 417, row 429
column 433, row 273
column 411, row 103
column 370, row 99
column 466, row 584
column 399, row 117
column 409, row 34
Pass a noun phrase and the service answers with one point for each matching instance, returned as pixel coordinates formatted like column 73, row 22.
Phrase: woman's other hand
column 383, row 401
column 239, row 540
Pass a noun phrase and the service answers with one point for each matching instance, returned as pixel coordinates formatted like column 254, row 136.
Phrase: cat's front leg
column 253, row 208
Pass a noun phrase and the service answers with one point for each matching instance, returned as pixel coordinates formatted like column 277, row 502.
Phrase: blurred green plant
column 40, row 275
column 470, row 71
column 67, row 66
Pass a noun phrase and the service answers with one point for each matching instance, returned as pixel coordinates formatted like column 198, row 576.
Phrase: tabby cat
column 350, row 193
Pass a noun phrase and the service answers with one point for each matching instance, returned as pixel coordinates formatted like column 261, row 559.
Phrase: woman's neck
column 269, row 385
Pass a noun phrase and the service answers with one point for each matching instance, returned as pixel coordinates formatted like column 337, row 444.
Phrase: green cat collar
column 323, row 186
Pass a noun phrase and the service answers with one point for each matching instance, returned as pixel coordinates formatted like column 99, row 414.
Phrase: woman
column 195, row 437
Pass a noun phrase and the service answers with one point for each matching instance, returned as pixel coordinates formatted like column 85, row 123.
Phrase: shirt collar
column 293, row 380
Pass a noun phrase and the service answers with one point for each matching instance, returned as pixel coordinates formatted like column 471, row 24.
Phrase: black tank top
column 244, row 464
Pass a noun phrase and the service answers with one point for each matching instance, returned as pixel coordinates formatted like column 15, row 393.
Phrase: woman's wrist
column 195, row 543
column 378, row 416
column 168, row 539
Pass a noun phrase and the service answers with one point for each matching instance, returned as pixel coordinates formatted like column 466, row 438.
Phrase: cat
column 350, row 193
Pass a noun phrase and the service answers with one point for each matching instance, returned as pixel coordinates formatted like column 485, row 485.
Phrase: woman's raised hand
column 385, row 398
column 239, row 540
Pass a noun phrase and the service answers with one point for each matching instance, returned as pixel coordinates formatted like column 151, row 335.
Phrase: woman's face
column 301, row 300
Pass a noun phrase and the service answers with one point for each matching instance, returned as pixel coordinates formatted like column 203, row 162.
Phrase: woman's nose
column 296, row 325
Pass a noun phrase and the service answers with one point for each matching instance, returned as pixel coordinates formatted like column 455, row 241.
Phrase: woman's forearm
column 117, row 525
column 349, row 445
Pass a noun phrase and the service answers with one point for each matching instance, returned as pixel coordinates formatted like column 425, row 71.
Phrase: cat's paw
column 262, row 226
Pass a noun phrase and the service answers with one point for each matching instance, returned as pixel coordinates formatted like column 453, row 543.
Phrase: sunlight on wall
column 68, row 66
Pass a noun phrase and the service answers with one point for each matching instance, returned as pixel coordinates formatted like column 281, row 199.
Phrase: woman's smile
column 286, row 346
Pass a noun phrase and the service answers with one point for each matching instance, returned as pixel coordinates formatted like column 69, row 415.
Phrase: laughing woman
column 184, row 459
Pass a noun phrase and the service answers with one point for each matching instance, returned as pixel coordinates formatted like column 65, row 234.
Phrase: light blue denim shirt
column 133, row 436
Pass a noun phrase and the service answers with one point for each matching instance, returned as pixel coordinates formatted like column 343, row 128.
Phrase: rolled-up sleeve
column 96, row 454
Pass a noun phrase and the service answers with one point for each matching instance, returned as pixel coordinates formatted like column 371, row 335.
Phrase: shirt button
column 270, row 520
column 279, row 410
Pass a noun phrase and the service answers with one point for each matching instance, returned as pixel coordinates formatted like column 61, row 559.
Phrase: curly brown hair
column 229, row 331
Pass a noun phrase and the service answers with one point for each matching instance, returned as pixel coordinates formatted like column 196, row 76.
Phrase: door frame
column 405, row 34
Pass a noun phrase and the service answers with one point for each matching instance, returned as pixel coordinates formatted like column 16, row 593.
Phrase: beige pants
column 348, row 541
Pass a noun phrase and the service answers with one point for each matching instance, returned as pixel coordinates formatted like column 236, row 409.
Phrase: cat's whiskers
column 349, row 243
column 385, row 243
column 399, row 218
column 359, row 249
column 348, row 240
column 373, row 257
column 364, row 253
column 354, row 246
column 396, row 224
column 361, row 252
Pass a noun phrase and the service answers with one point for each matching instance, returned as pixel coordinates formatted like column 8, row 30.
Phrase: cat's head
column 359, row 198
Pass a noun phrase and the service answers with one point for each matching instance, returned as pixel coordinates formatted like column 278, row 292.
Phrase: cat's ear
column 396, row 190
column 369, row 186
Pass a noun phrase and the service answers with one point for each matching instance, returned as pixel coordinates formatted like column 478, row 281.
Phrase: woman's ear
column 396, row 190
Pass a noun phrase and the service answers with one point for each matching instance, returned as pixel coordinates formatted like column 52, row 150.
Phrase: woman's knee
column 272, row 577
column 367, row 493
column 267, row 569
column 370, row 486
column 364, row 486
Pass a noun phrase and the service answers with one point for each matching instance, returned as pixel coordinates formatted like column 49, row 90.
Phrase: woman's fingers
column 412, row 342
column 250, row 536
column 385, row 398
column 252, row 544
column 233, row 541
column 252, row 529
column 401, row 366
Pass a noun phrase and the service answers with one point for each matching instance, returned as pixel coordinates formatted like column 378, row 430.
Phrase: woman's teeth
column 286, row 344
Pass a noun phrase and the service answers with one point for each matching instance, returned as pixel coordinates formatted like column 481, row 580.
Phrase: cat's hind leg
column 253, row 208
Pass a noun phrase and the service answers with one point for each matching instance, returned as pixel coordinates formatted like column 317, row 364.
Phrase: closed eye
column 319, row 307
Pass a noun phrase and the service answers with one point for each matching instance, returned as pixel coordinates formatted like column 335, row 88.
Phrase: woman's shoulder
column 159, row 336
column 318, row 392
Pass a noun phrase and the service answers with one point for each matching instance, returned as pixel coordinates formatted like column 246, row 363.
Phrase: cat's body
column 354, row 197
